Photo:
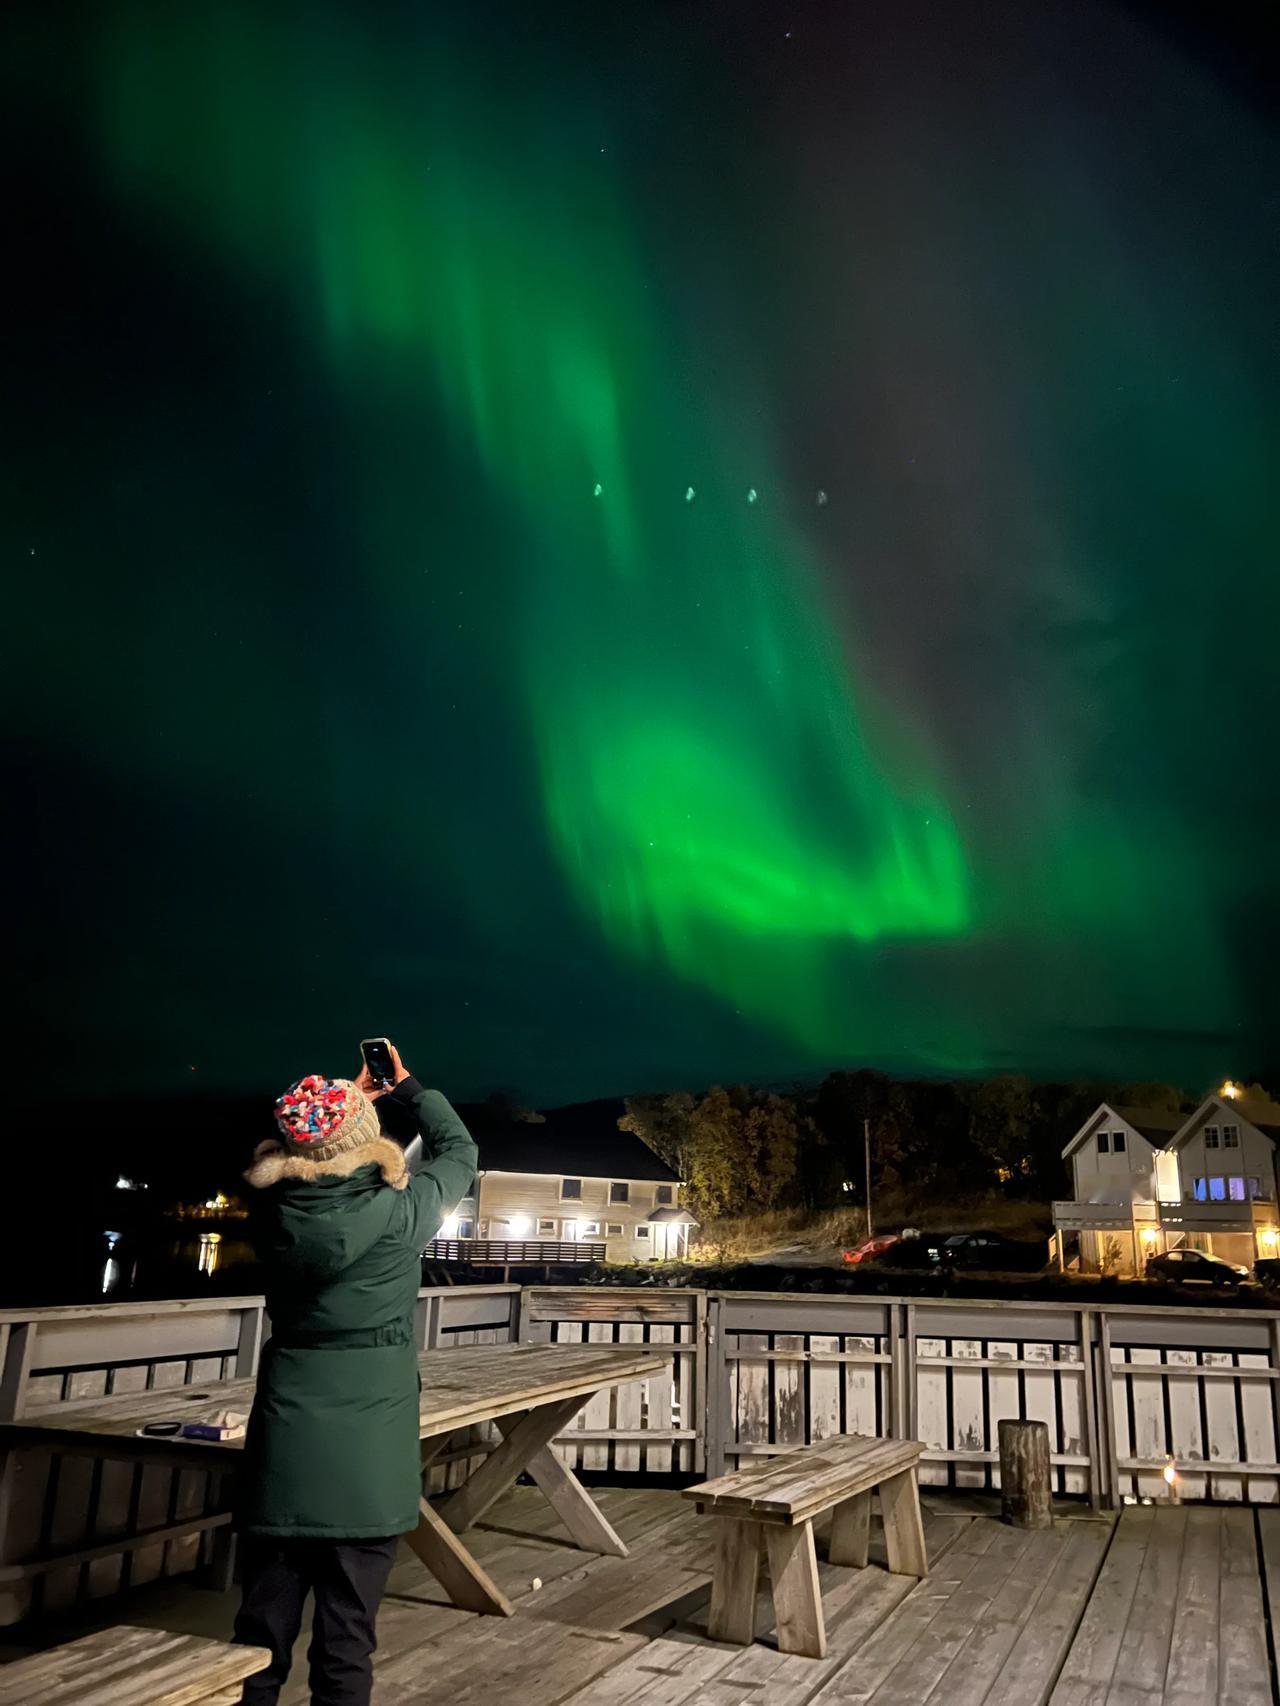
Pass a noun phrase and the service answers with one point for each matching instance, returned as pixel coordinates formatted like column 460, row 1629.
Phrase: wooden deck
column 1166, row 1607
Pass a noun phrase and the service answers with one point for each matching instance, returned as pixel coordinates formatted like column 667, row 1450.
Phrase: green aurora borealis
column 404, row 687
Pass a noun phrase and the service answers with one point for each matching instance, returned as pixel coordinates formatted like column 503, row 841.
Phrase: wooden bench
column 132, row 1667
column 776, row 1500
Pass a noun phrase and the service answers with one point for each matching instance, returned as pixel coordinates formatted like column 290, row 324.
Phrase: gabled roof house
column 1147, row 1179
column 571, row 1178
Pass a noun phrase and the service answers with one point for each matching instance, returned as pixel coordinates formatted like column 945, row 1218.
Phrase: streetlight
column 866, row 1156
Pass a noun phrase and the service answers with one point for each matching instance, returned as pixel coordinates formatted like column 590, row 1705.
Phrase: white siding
column 1168, row 1182
column 537, row 1196
column 1126, row 1177
column 1254, row 1156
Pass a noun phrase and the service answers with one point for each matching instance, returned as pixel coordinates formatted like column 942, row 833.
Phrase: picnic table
column 531, row 1392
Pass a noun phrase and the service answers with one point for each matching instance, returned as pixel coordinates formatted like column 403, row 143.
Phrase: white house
column 562, row 1182
column 1146, row 1180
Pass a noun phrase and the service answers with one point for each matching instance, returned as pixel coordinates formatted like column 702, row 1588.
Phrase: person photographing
column 331, row 1473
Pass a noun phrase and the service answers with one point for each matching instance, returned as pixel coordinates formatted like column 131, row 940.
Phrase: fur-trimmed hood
column 273, row 1162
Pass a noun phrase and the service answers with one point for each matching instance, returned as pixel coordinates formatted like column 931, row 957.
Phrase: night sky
column 633, row 545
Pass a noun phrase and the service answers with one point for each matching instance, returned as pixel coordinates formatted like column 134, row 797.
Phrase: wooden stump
column 1024, row 1474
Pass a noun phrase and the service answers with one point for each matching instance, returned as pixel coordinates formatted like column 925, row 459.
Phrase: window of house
column 547, row 1229
column 619, row 1191
column 1235, row 1188
column 482, row 1228
column 1104, row 1143
column 1201, row 1190
column 1211, row 1137
column 664, row 1196
column 643, row 1232
column 1217, row 1189
column 588, row 1229
column 1255, row 1187
column 1117, row 1142
column 466, row 1229
column 1231, row 1137
column 613, row 1229
column 571, row 1190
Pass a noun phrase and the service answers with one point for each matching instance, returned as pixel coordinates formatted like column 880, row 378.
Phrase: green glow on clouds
column 725, row 792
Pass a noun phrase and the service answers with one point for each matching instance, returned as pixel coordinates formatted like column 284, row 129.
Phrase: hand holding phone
column 382, row 1067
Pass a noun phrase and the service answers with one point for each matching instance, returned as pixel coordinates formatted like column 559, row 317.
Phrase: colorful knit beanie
column 323, row 1117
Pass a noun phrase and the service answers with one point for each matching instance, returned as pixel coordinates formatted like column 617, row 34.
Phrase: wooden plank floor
column 1177, row 1617
column 1167, row 1607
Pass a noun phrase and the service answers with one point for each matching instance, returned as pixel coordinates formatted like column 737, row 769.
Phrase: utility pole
column 866, row 1156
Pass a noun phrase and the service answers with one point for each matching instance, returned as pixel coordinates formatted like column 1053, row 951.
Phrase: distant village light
column 1230, row 1090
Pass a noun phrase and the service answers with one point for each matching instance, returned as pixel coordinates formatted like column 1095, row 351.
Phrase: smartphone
column 377, row 1057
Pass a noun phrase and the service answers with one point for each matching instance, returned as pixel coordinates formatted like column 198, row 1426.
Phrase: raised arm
column 449, row 1170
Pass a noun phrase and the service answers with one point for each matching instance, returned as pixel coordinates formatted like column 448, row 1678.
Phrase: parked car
column 920, row 1250
column 994, row 1253
column 1189, row 1266
column 870, row 1248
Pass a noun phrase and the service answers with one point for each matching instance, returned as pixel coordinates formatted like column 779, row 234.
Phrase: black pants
column 348, row 1578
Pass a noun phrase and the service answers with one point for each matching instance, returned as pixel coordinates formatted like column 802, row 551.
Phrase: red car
column 873, row 1247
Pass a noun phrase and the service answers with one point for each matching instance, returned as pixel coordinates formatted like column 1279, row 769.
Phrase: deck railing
column 517, row 1252
column 1193, row 1216
column 1124, row 1390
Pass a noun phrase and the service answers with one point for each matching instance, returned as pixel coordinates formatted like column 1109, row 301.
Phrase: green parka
column 332, row 1446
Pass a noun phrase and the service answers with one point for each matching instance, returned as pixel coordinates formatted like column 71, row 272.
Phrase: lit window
column 571, row 1190
column 1231, row 1137
column 663, row 1196
column 1104, row 1143
column 1117, row 1142
column 643, row 1232
column 620, row 1191
column 1217, row 1190
column 1211, row 1137
column 613, row 1229
column 1236, row 1188
column 546, row 1229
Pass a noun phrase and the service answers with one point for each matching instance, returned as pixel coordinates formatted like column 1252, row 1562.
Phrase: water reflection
column 151, row 1264
column 112, row 1272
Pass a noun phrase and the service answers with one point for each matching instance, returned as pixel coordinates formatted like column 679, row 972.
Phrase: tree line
column 740, row 1148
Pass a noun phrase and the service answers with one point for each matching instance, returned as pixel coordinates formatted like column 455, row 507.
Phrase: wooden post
column 1024, row 1474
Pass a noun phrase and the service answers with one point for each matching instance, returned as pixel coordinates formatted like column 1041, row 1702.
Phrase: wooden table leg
column 903, row 1528
column 797, row 1599
column 463, row 1579
column 573, row 1504
column 500, row 1469
column 851, row 1531
column 735, row 1583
